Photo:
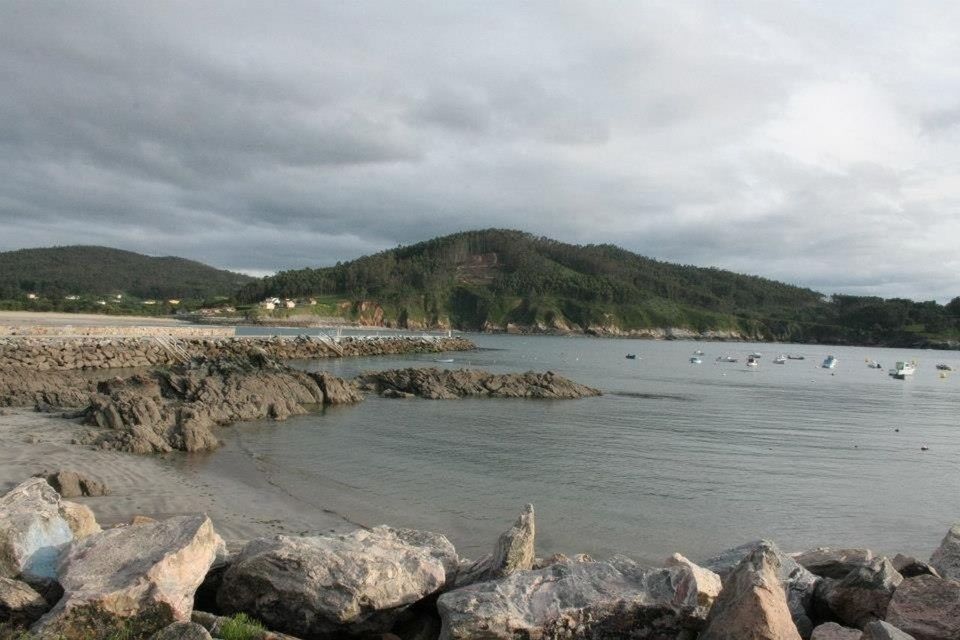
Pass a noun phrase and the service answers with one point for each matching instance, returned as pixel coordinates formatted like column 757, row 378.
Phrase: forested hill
column 496, row 278
column 55, row 272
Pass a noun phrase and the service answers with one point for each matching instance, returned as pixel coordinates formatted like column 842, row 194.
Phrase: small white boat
column 756, row 355
column 873, row 364
column 944, row 367
column 726, row 359
column 830, row 362
column 752, row 362
column 796, row 357
column 443, row 359
column 698, row 352
column 696, row 360
column 780, row 359
column 903, row 370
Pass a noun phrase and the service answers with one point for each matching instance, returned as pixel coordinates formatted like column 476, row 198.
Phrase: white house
column 268, row 305
column 71, row 297
column 289, row 304
column 31, row 296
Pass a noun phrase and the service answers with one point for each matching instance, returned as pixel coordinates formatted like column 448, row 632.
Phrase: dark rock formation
column 180, row 408
column 20, row 605
column 445, row 384
column 70, row 484
column 879, row 630
column 513, row 552
column 861, row 596
column 829, row 562
column 910, row 567
column 926, row 607
column 834, row 631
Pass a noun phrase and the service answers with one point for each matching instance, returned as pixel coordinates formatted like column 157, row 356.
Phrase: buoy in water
column 897, row 430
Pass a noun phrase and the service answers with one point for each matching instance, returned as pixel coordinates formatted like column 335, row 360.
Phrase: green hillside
column 54, row 273
column 494, row 278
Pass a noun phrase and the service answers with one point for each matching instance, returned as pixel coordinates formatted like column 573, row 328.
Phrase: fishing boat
column 795, row 357
column 903, row 370
column 695, row 360
column 752, row 362
column 780, row 359
column 944, row 367
column 830, row 362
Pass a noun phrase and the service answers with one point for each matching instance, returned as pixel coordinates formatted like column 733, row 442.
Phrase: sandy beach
column 53, row 319
column 243, row 504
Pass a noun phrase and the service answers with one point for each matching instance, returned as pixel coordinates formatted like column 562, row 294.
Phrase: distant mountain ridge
column 501, row 279
column 54, row 272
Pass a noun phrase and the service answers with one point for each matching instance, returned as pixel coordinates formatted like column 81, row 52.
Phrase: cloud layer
column 799, row 141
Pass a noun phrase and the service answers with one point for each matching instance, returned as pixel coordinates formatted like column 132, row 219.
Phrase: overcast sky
column 812, row 142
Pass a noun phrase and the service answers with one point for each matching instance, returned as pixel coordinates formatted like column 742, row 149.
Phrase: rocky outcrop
column 33, row 532
column 926, row 607
column 708, row 584
column 26, row 387
column 20, row 605
column 596, row 600
column 337, row 390
column 833, row 631
column 798, row 583
column 70, row 484
column 513, row 552
column 829, row 562
column 879, row 630
column 861, row 596
column 338, row 585
column 752, row 605
column 134, row 579
column 180, row 408
column 946, row 559
column 446, row 384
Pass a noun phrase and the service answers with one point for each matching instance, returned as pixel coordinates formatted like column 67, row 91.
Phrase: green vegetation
column 79, row 278
column 495, row 277
column 241, row 627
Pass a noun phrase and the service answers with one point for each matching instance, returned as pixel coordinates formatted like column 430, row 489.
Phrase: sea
column 673, row 457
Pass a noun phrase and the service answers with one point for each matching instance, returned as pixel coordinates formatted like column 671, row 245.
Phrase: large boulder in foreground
column 133, row 579
column 799, row 584
column 946, row 559
column 753, row 604
column 33, row 532
column 446, row 384
column 337, row 585
column 513, row 552
column 20, row 605
column 831, row 562
column 596, row 600
column 862, row 595
column 926, row 607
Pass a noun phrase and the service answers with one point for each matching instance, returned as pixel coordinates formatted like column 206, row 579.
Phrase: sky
column 816, row 143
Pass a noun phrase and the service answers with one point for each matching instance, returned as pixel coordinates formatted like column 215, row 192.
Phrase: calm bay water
column 673, row 457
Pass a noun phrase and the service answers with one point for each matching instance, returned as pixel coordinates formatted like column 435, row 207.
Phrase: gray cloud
column 794, row 141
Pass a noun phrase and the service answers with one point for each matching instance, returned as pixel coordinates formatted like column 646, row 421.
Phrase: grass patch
column 241, row 627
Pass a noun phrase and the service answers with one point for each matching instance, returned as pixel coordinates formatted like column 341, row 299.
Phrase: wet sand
column 242, row 504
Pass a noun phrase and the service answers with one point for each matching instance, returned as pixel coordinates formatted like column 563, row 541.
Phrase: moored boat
column 903, row 370
column 696, row 360
column 944, row 367
column 752, row 362
column 830, row 362
column 796, row 357
column 780, row 359
column 631, row 356
column 873, row 364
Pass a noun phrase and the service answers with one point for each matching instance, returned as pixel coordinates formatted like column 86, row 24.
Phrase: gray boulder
column 138, row 579
column 830, row 562
column 33, row 532
column 910, row 567
column 880, row 630
column 753, row 603
column 513, row 552
column 861, row 596
column 926, row 607
column 834, row 631
column 799, row 584
column 596, row 600
column 337, row 585
column 20, row 605
column 946, row 559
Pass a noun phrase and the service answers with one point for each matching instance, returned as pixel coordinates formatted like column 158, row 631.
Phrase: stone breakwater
column 63, row 576
column 117, row 331
column 84, row 353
